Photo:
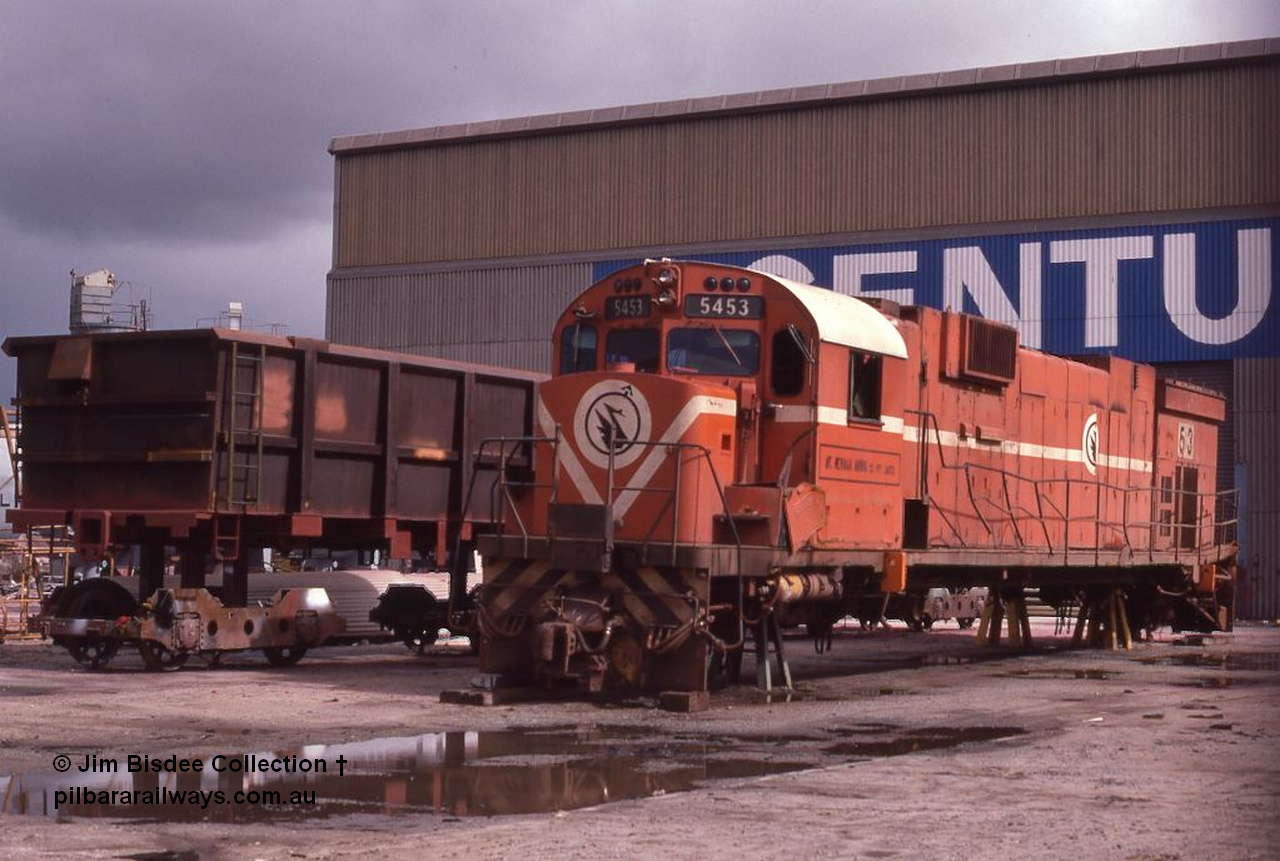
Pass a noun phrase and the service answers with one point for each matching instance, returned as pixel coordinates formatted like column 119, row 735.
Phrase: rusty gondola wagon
column 212, row 442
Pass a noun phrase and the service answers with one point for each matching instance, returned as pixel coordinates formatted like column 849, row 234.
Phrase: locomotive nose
column 641, row 446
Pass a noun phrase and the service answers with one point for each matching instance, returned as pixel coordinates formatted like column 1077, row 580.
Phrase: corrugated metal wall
column 1177, row 140
column 494, row 316
column 1257, row 410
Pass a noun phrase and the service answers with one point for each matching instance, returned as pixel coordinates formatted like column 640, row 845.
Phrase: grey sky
column 182, row 145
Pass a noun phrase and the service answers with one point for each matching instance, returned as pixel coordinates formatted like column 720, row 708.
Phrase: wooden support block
column 684, row 701
column 1082, row 616
column 997, row 622
column 984, row 625
column 1126, row 632
column 495, row 697
column 1095, row 623
column 1015, row 624
column 1111, row 621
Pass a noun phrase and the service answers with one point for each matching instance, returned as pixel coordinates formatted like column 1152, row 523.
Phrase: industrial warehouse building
column 1125, row 204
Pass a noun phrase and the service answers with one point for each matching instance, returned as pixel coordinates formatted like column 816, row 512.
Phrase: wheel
column 284, row 656
column 157, row 658
column 421, row 641
column 96, row 599
column 965, row 622
column 93, row 652
column 93, row 599
column 926, row 622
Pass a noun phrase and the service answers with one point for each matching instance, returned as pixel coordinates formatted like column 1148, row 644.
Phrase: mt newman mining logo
column 612, row 416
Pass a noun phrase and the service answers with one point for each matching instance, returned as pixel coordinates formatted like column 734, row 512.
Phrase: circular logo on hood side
column 611, row 416
column 1089, row 444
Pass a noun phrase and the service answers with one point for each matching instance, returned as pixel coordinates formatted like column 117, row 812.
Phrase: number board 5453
column 628, row 307
column 714, row 305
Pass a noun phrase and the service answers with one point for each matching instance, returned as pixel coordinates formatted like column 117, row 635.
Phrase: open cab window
column 865, row 371
column 789, row 362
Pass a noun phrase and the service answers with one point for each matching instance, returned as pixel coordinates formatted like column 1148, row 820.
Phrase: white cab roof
column 848, row 321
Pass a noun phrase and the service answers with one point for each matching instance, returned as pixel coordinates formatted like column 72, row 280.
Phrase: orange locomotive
column 723, row 452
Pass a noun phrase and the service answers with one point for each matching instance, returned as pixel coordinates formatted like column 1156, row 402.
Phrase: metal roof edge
column 983, row 77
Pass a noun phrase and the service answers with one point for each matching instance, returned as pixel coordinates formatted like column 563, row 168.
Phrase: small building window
column 864, row 386
column 578, row 348
column 789, row 362
column 636, row 346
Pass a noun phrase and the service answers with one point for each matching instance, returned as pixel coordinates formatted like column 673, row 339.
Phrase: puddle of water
column 460, row 774
column 912, row 741
column 1096, row 675
column 456, row 773
column 1216, row 682
column 21, row 691
column 1230, row 661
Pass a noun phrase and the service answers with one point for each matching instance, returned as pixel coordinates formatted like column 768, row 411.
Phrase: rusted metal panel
column 1257, row 414
column 172, row 431
column 1179, row 139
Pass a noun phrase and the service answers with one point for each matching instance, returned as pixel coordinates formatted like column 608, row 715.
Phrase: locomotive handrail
column 930, row 436
column 923, row 478
column 500, row 496
column 673, row 504
column 501, row 500
column 499, row 483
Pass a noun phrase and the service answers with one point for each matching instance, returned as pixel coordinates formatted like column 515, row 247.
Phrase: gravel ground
column 905, row 745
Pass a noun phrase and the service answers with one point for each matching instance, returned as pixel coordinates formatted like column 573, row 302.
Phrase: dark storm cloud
column 163, row 119
column 183, row 144
column 156, row 119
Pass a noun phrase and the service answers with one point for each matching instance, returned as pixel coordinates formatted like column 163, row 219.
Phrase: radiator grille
column 991, row 350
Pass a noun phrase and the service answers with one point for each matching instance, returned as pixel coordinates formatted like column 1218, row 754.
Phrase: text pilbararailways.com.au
column 222, row 764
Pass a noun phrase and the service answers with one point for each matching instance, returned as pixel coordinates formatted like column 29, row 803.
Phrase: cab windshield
column 713, row 350
column 638, row 346
column 578, row 348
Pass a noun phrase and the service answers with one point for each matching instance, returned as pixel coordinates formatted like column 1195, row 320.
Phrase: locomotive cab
column 702, row 423
column 694, row 401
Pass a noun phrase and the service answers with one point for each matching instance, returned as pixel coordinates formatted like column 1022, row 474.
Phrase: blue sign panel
column 1159, row 293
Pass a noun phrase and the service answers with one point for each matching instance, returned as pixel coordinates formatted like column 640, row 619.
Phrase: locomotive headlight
column 666, row 299
column 666, row 279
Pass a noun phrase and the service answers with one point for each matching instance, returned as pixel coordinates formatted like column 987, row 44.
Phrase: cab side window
column 864, row 386
column 788, row 364
column 578, row 348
